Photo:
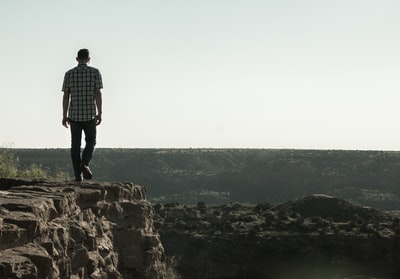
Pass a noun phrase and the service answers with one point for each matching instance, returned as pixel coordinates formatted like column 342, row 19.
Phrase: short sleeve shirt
column 82, row 82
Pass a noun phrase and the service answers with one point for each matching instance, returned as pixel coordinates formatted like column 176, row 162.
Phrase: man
column 82, row 109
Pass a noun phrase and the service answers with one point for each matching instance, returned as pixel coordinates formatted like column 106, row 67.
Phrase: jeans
column 89, row 128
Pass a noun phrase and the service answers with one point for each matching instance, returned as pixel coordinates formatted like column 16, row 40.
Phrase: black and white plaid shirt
column 82, row 82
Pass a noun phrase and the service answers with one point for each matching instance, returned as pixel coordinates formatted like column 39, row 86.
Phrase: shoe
column 87, row 174
column 78, row 179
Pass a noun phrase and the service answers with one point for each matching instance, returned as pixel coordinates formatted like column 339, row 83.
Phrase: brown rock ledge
column 54, row 230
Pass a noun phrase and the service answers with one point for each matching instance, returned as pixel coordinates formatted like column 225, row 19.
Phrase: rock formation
column 54, row 230
column 315, row 236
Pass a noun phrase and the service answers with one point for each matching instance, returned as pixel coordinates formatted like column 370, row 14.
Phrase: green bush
column 9, row 168
column 8, row 163
column 33, row 171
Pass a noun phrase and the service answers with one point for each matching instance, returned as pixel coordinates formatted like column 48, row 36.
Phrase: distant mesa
column 324, row 206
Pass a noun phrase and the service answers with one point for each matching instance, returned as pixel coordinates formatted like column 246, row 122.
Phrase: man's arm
column 65, row 120
column 99, row 104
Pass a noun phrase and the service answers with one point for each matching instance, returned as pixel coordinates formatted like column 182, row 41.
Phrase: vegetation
column 339, row 237
column 241, row 175
column 10, row 168
column 8, row 163
column 192, row 197
column 267, row 219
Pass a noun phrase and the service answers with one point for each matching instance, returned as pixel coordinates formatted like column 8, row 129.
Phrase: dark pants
column 89, row 128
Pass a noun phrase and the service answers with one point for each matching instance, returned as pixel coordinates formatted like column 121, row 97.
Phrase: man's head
column 83, row 56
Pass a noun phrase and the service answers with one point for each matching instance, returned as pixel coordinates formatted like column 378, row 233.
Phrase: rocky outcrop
column 85, row 230
column 315, row 236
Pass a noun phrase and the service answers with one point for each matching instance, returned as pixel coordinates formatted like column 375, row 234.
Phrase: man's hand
column 98, row 119
column 65, row 122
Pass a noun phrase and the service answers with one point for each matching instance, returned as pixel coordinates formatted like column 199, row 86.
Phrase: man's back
column 81, row 83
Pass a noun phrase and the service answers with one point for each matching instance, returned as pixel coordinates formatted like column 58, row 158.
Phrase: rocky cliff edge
column 54, row 230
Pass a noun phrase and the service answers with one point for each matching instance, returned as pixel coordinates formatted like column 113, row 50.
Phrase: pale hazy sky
column 209, row 73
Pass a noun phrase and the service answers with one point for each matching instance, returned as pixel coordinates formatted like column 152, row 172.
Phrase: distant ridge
column 248, row 175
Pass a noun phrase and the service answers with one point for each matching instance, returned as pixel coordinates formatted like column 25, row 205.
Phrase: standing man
column 82, row 108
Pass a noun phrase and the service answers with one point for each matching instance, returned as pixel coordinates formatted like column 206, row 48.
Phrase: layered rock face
column 53, row 230
column 316, row 236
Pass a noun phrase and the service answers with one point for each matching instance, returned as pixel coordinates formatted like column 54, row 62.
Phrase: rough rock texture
column 312, row 237
column 86, row 230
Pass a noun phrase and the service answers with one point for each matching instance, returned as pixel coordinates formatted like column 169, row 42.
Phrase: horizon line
column 216, row 148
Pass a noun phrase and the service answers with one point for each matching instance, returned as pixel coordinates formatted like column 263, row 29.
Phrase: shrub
column 201, row 205
column 8, row 163
column 9, row 168
column 33, row 171
column 172, row 264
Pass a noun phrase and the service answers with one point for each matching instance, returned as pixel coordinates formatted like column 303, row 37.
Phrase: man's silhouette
column 82, row 108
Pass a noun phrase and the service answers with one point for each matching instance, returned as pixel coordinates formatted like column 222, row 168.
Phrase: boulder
column 52, row 230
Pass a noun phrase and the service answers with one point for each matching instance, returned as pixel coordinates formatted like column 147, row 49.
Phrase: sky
column 310, row 74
